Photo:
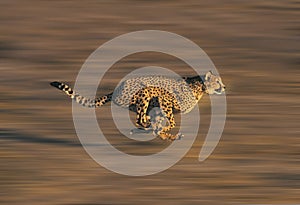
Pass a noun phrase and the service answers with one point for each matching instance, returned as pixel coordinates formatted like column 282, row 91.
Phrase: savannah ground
column 255, row 47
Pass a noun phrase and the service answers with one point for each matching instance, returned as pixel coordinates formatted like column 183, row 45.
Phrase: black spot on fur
column 62, row 86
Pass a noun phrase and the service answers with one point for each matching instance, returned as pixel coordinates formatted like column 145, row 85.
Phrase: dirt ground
column 253, row 44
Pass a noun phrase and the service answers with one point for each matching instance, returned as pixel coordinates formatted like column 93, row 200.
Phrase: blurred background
column 253, row 44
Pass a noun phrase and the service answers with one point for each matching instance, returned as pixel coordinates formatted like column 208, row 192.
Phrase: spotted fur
column 142, row 94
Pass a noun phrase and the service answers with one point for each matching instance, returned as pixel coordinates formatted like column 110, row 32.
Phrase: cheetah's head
column 213, row 84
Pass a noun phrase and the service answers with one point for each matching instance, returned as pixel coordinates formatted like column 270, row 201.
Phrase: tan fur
column 142, row 94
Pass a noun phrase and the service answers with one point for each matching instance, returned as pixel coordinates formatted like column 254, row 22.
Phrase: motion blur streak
column 255, row 47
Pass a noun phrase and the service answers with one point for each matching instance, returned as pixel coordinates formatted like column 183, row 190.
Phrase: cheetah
column 142, row 94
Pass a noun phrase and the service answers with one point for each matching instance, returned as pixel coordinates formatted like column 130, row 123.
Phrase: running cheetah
column 142, row 94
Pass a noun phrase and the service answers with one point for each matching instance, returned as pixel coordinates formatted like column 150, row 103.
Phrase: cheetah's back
column 178, row 87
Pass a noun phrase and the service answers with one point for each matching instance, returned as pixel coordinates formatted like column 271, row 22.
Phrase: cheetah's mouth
column 218, row 91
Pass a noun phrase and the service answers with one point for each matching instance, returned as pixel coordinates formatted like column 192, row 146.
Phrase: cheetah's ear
column 208, row 75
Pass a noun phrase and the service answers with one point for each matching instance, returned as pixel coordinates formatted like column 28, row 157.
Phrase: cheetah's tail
column 80, row 99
